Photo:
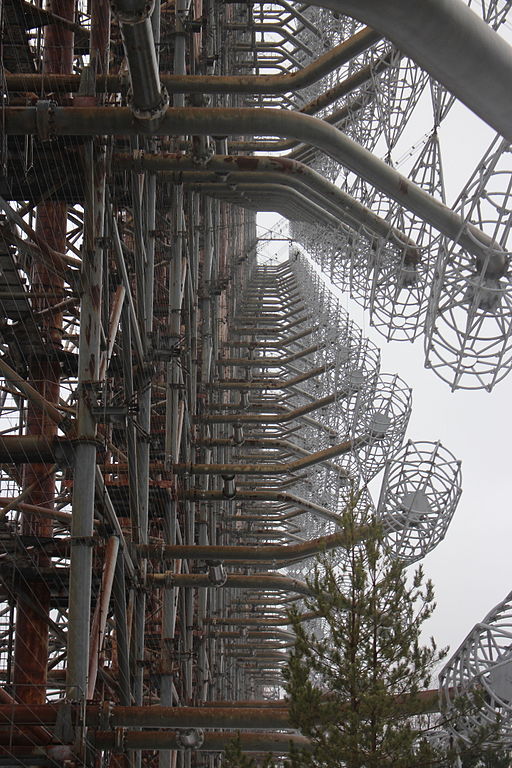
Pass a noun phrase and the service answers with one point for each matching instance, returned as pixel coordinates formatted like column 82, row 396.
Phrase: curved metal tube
column 272, row 362
column 289, row 203
column 270, row 383
column 452, row 43
column 84, row 121
column 296, row 200
column 264, row 84
column 271, row 581
column 263, row 552
column 272, row 344
column 268, row 495
column 268, row 621
column 271, row 170
column 257, row 418
column 269, row 469
column 269, row 442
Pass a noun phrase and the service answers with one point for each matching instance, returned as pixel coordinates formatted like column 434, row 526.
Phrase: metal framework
column 480, row 670
column 183, row 422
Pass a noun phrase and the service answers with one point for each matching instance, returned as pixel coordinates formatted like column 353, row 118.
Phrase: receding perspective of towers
column 184, row 420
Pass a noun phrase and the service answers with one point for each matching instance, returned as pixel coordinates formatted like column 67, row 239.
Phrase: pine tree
column 481, row 754
column 234, row 757
column 351, row 682
column 484, row 757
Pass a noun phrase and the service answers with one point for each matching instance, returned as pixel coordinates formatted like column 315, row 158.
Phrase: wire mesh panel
column 420, row 491
column 480, row 673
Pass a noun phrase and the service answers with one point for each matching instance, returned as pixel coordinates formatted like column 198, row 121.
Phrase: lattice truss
column 412, row 291
column 301, row 361
column 479, row 674
column 181, row 424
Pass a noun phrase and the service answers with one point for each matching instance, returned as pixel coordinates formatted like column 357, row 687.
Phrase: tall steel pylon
column 182, row 423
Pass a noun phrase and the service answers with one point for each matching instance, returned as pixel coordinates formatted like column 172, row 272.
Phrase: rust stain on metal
column 96, row 296
column 246, row 163
column 286, row 165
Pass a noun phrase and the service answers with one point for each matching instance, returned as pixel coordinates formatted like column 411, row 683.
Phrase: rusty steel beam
column 264, row 84
column 22, row 449
column 260, row 552
column 258, row 716
column 145, row 716
column 264, row 742
column 268, row 581
column 285, row 123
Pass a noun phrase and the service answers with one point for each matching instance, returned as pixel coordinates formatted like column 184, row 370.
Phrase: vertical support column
column 100, row 614
column 145, row 295
column 146, row 300
column 173, row 371
column 94, row 157
column 88, row 371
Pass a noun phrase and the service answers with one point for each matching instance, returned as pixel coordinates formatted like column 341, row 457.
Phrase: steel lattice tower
column 183, row 421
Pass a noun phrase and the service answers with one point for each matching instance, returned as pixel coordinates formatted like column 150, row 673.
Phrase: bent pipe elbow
column 249, row 121
column 147, row 98
column 449, row 41
column 132, row 11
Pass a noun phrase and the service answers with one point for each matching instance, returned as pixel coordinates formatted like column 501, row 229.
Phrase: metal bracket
column 64, row 729
column 44, row 115
column 105, row 715
column 79, row 540
column 169, row 580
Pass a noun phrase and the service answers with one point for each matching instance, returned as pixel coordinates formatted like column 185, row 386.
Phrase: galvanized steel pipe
column 181, row 83
column 148, row 98
column 223, row 122
column 452, row 43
